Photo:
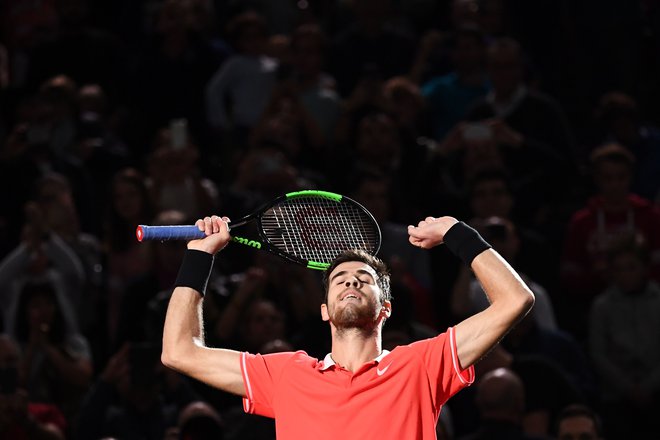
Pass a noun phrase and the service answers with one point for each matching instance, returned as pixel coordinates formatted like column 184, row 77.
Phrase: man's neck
column 352, row 348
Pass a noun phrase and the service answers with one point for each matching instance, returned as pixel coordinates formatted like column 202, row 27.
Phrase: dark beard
column 361, row 318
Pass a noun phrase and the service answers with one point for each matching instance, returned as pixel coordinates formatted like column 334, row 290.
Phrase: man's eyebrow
column 360, row 271
column 341, row 272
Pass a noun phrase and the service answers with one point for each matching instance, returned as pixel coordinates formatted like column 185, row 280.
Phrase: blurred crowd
column 535, row 122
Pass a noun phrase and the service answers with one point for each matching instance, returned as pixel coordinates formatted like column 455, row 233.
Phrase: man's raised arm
column 510, row 298
column 183, row 335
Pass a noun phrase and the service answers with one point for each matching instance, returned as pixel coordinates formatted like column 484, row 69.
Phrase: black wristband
column 195, row 270
column 465, row 242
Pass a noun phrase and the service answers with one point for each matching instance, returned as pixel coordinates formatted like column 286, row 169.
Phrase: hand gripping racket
column 307, row 227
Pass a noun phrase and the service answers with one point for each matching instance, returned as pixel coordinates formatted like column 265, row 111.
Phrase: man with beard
column 358, row 390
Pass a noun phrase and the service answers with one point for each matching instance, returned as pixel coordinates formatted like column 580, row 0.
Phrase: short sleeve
column 261, row 374
column 441, row 360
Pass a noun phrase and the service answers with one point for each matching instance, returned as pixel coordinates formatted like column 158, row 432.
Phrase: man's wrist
column 195, row 270
column 465, row 242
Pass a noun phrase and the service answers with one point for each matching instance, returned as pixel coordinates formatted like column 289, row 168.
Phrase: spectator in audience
column 529, row 129
column 403, row 100
column 57, row 363
column 29, row 156
column 579, row 422
column 131, row 399
column 42, row 254
column 176, row 53
column 198, row 421
column 612, row 212
column 98, row 143
column 126, row 258
column 369, row 44
column 245, row 80
column 449, row 97
column 58, row 214
column 490, row 194
column 624, row 354
column 262, row 173
column 547, row 390
column 500, row 399
column 174, row 179
column 286, row 123
column 22, row 418
column 558, row 347
column 618, row 120
column 75, row 47
column 317, row 89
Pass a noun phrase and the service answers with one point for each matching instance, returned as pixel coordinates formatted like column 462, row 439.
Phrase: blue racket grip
column 162, row 233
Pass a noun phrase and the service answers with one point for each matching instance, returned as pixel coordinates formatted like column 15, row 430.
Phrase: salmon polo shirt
column 398, row 395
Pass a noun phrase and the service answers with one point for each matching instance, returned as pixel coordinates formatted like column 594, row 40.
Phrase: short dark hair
column 309, row 31
column 489, row 175
column 242, row 22
column 378, row 265
column 579, row 410
column 612, row 153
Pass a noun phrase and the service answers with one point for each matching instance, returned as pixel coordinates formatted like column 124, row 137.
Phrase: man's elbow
column 526, row 302
column 173, row 358
column 168, row 359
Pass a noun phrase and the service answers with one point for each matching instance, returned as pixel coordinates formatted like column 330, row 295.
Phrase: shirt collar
column 328, row 362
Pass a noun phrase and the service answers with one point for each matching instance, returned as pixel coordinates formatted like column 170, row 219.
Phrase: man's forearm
column 501, row 283
column 183, row 325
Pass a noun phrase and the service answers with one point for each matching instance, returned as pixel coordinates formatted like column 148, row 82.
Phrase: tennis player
column 359, row 391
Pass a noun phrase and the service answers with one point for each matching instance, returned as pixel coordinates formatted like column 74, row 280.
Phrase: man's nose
column 355, row 283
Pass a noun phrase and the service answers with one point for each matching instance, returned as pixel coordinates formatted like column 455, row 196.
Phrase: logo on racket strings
column 320, row 228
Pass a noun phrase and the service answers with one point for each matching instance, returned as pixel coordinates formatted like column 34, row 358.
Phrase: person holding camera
column 21, row 418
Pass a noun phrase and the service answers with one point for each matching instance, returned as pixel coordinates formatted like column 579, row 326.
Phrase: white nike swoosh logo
column 381, row 372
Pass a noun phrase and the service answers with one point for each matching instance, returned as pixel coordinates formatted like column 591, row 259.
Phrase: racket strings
column 317, row 229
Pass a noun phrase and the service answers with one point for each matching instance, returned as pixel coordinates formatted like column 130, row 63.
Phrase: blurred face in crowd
column 127, row 199
column 613, row 179
column 173, row 18
column 378, row 139
column 501, row 234
column 491, row 198
column 265, row 322
column 373, row 194
column 308, row 57
column 505, row 68
column 41, row 312
column 468, row 55
column 577, row 428
column 252, row 40
column 628, row 272
column 57, row 205
column 404, row 101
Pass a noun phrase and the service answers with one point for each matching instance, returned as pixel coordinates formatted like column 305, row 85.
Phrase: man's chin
column 351, row 319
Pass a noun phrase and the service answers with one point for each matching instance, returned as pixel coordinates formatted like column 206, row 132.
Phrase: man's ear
column 324, row 312
column 386, row 309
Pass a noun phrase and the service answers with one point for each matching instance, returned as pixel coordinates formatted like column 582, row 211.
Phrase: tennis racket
column 307, row 227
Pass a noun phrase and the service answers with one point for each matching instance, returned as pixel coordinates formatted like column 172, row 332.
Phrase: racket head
column 313, row 227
